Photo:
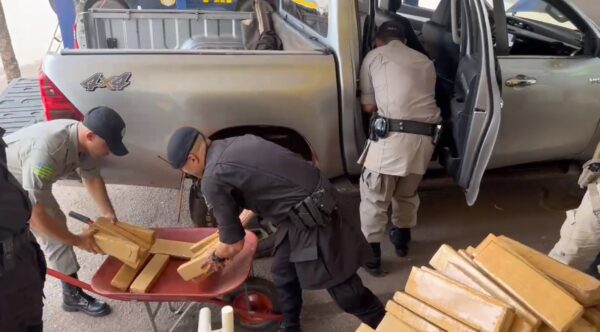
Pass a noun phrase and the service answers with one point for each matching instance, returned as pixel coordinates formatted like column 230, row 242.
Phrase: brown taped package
column 585, row 288
column 172, row 248
column 410, row 318
column 432, row 315
column 392, row 324
column 542, row 296
column 126, row 274
column 141, row 232
column 150, row 274
column 124, row 250
column 525, row 319
column 477, row 310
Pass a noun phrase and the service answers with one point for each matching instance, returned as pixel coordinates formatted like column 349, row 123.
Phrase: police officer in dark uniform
column 315, row 247
column 22, row 264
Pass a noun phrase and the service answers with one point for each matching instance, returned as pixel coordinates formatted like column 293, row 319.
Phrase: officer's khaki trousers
column 59, row 256
column 579, row 241
column 377, row 192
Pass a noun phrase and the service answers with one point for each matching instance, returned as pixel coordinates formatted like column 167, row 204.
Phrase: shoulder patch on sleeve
column 44, row 171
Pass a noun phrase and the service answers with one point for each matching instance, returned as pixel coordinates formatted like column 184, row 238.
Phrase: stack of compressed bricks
column 199, row 267
column 500, row 286
column 144, row 257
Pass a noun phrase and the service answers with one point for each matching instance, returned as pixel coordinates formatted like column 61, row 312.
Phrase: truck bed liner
column 21, row 105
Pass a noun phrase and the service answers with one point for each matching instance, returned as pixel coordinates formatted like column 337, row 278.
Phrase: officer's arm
column 225, row 250
column 219, row 196
column 39, row 173
column 369, row 108
column 97, row 189
column 90, row 173
column 367, row 92
column 43, row 223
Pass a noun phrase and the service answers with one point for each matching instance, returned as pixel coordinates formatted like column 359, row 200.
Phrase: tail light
column 56, row 104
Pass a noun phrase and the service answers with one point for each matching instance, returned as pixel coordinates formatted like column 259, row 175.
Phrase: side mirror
column 556, row 14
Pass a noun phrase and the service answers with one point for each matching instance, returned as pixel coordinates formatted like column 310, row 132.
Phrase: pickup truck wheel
column 202, row 217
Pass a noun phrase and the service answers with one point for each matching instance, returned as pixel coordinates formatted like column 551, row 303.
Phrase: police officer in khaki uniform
column 315, row 247
column 579, row 242
column 398, row 88
column 22, row 264
column 41, row 154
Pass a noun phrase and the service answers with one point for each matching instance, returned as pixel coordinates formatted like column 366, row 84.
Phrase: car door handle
column 520, row 81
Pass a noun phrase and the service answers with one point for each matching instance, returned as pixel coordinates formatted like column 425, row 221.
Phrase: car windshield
column 536, row 10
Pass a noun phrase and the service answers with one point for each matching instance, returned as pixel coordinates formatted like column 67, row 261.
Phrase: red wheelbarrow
column 253, row 299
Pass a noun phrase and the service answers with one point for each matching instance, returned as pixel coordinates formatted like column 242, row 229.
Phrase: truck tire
column 202, row 217
column 256, row 295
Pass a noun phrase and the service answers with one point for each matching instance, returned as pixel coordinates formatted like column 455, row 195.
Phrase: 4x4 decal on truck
column 114, row 83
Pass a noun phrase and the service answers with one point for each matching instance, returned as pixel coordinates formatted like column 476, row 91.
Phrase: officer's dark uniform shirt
column 253, row 173
column 15, row 208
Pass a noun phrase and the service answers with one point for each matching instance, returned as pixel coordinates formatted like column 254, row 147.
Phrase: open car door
column 474, row 112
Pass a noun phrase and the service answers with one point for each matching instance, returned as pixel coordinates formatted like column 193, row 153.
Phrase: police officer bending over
column 315, row 247
column 22, row 264
column 398, row 87
column 41, row 154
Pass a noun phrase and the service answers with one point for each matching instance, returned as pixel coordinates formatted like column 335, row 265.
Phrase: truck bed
column 163, row 29
column 20, row 105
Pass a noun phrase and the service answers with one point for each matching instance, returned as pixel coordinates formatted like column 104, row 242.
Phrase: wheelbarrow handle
column 80, row 217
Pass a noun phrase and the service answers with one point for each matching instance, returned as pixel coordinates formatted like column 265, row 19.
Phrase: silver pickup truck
column 515, row 86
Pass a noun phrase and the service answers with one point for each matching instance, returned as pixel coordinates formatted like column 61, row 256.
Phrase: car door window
column 425, row 4
column 313, row 13
column 537, row 28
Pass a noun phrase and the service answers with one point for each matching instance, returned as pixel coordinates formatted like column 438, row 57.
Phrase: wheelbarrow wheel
column 257, row 295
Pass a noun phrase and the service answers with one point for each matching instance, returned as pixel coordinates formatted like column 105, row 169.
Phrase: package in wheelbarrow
column 157, row 278
column 499, row 285
column 195, row 266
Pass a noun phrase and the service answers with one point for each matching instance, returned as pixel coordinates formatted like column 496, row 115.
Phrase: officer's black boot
column 287, row 327
column 74, row 299
column 400, row 238
column 373, row 265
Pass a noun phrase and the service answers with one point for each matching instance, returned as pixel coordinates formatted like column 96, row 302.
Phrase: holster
column 315, row 210
column 9, row 248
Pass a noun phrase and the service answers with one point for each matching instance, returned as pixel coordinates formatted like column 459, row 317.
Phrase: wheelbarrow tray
column 170, row 286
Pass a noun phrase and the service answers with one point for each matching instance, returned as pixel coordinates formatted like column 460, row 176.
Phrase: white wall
column 31, row 24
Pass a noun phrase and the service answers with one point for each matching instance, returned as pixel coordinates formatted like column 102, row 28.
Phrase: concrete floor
column 529, row 211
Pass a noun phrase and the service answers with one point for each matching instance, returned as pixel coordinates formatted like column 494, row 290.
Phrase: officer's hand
column 217, row 263
column 86, row 242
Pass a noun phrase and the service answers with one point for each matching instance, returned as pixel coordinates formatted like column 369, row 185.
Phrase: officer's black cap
column 180, row 145
column 108, row 124
column 391, row 30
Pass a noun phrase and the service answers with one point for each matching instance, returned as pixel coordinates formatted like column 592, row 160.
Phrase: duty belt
column 381, row 127
column 9, row 248
column 315, row 210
